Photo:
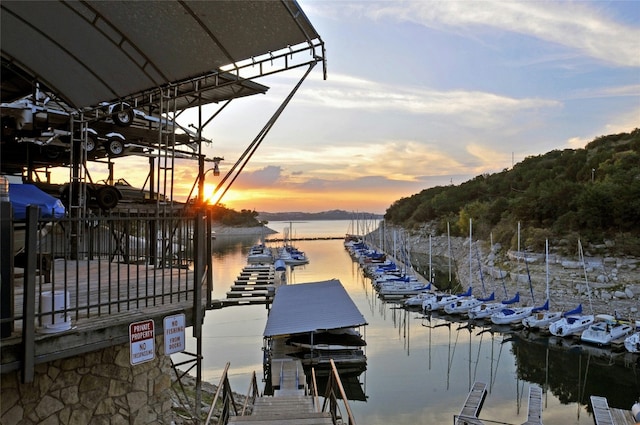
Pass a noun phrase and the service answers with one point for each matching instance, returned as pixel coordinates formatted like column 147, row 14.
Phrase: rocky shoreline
column 613, row 283
column 182, row 402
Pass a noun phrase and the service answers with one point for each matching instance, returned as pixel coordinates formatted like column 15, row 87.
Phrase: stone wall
column 96, row 388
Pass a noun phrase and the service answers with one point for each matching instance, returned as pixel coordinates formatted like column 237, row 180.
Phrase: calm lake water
column 419, row 369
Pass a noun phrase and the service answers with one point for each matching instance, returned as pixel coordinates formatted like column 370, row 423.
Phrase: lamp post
column 201, row 176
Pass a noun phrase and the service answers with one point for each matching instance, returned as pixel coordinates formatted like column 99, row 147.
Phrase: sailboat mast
column 546, row 250
column 470, row 243
column 449, row 248
column 430, row 264
column 584, row 267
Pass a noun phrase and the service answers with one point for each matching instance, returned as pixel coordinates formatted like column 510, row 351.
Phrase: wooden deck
column 472, row 406
column 604, row 415
column 100, row 287
column 104, row 298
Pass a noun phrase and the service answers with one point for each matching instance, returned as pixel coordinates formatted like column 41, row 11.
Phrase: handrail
column 224, row 389
column 281, row 381
column 331, row 399
column 252, row 393
column 314, row 390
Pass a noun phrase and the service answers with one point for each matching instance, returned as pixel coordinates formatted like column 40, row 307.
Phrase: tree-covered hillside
column 591, row 193
column 229, row 217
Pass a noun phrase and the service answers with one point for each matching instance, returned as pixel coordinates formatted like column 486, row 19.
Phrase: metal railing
column 331, row 398
column 106, row 264
column 103, row 265
column 252, row 394
column 224, row 397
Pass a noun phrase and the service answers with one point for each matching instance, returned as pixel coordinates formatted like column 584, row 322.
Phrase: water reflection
column 574, row 372
column 420, row 368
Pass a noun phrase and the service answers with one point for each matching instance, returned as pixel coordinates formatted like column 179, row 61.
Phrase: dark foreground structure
column 95, row 301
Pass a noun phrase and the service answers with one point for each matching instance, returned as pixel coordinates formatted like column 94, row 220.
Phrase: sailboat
column 290, row 254
column 542, row 319
column 463, row 305
column 517, row 314
column 574, row 322
column 438, row 300
column 485, row 310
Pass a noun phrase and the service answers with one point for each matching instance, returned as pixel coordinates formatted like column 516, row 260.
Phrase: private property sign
column 141, row 337
column 174, row 340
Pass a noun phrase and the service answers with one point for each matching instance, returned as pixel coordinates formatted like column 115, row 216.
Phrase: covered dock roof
column 96, row 51
column 311, row 307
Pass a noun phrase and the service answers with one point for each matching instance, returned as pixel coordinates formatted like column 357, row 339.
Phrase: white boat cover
column 311, row 307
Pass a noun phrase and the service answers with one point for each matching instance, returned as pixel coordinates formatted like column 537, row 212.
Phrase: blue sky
column 423, row 93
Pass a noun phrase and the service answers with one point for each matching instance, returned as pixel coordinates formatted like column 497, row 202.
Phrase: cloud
column 632, row 90
column 479, row 108
column 262, row 177
column 576, row 25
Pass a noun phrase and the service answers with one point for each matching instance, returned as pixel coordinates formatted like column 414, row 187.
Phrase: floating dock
column 256, row 284
column 534, row 412
column 605, row 415
column 472, row 405
column 475, row 399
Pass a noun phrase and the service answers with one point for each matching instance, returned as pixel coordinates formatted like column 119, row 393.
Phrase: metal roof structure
column 108, row 51
column 311, row 307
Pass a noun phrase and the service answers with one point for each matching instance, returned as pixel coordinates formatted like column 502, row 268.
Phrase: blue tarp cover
column 22, row 195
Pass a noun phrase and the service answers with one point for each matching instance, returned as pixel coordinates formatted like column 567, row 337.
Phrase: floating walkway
column 604, row 415
column 534, row 413
column 256, row 284
column 475, row 399
column 473, row 404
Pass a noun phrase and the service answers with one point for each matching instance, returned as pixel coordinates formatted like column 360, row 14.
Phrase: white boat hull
column 484, row 311
column 632, row 343
column 462, row 305
column 438, row 301
column 508, row 316
column 601, row 334
column 570, row 325
column 541, row 320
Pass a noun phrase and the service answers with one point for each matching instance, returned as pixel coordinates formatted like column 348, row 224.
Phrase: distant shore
column 242, row 231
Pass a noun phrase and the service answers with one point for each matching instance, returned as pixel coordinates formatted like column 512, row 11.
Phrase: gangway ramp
column 534, row 412
column 472, row 406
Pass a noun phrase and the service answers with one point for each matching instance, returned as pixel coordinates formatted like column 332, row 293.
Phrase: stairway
column 284, row 410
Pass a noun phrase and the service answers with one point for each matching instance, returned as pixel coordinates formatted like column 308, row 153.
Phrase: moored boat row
column 603, row 330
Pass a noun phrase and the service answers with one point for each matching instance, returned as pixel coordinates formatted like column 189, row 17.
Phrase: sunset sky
column 425, row 93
